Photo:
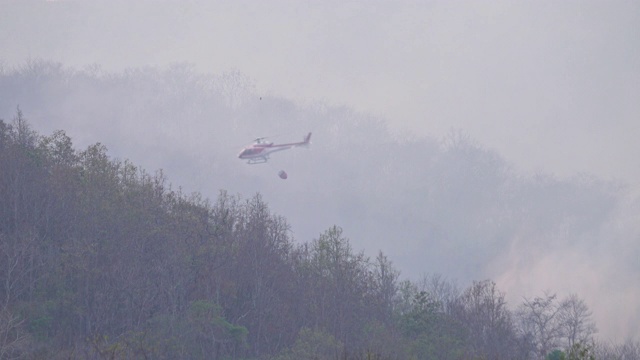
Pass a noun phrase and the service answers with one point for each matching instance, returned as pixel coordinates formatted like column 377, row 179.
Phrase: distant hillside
column 446, row 206
column 101, row 260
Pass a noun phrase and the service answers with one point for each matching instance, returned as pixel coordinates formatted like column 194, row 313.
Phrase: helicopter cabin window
column 251, row 151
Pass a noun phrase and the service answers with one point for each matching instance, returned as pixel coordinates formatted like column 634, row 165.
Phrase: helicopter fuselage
column 259, row 151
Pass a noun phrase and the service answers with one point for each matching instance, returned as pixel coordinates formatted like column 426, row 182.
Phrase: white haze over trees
column 537, row 191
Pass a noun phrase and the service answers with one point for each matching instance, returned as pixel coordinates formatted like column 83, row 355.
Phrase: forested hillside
column 89, row 222
column 100, row 259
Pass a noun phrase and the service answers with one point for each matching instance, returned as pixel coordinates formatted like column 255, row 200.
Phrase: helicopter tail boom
column 307, row 140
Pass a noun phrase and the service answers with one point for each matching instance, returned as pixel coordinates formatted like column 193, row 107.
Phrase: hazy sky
column 552, row 85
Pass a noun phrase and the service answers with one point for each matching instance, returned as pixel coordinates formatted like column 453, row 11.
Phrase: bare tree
column 553, row 324
column 539, row 320
column 482, row 309
column 575, row 320
column 629, row 350
column 13, row 335
column 385, row 280
column 444, row 291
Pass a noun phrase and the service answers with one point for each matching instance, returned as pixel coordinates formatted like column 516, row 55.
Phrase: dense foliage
column 99, row 259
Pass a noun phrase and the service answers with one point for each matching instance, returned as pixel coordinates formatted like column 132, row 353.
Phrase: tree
column 431, row 334
column 343, row 278
column 385, row 286
column 212, row 332
column 581, row 351
column 14, row 338
column 556, row 355
column 313, row 344
column 539, row 321
column 444, row 291
column 482, row 310
column 629, row 350
column 555, row 325
column 575, row 319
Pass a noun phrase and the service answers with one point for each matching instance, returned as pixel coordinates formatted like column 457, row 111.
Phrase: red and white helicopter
column 259, row 151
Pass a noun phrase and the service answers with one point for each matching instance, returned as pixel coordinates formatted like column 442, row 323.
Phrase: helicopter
column 259, row 151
